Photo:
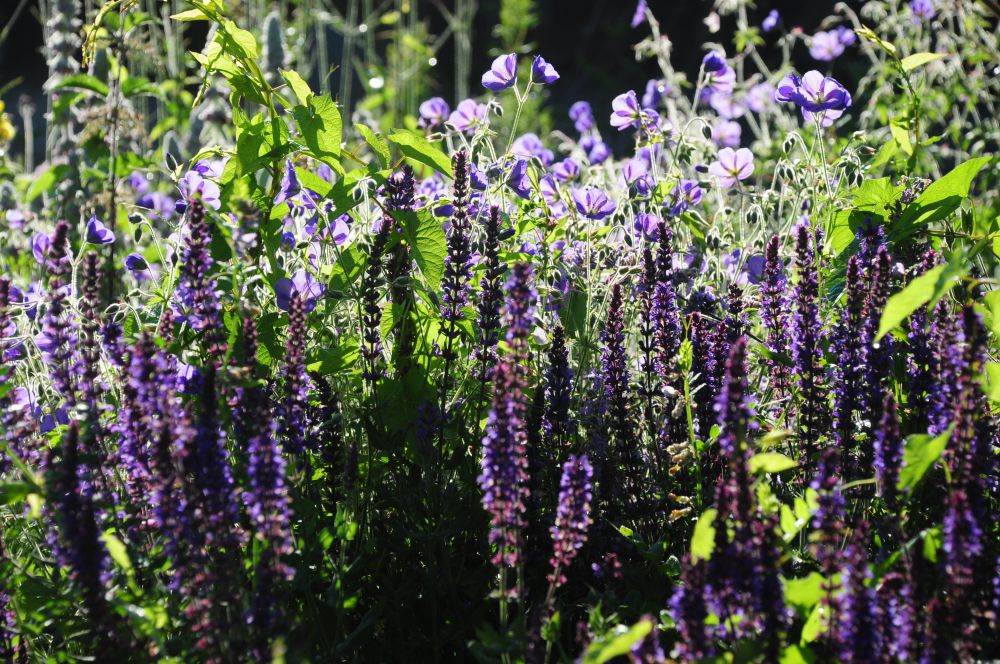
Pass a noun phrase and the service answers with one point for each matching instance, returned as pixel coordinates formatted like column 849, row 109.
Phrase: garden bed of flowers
column 711, row 375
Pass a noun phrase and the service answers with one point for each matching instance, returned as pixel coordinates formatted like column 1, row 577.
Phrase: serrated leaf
column 426, row 238
column 940, row 199
column 298, row 85
column 932, row 284
column 376, row 143
column 911, row 62
column 326, row 361
column 922, row 451
column 770, row 462
column 703, row 539
column 414, row 146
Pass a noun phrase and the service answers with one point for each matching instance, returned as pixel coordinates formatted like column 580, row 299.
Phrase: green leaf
column 703, row 539
column 992, row 386
column 617, row 645
column 320, row 126
column 376, row 142
column 13, row 492
column 414, row 146
column 81, row 82
column 911, row 62
column 190, row 15
column 992, row 301
column 326, row 361
column 46, row 181
column 922, row 451
column 347, row 269
column 117, row 551
column 425, row 236
column 298, row 85
column 804, row 593
column 794, row 654
column 815, row 625
column 928, row 288
column 770, row 462
column 932, row 544
column 941, row 198
column 901, row 134
column 238, row 41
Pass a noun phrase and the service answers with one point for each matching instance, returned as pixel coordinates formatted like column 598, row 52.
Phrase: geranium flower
column 302, row 283
column 98, row 233
column 593, row 203
column 502, row 73
column 433, row 112
column 542, row 72
column 732, row 166
column 468, row 116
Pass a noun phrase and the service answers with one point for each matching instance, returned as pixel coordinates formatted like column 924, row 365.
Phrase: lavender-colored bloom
column 922, row 10
column 98, row 233
column 850, row 344
column 40, row 245
column 502, row 73
column 759, row 97
column 813, row 92
column 655, row 91
column 139, row 182
column 197, row 289
column 558, row 391
column 826, row 46
column 637, row 178
column 770, row 21
column 720, row 81
column 726, row 134
column 685, row 195
column 627, row 113
column 772, row 312
column 639, row 15
column 58, row 338
column 616, row 378
column 529, row 145
column 468, row 116
column 569, row 533
column 302, row 284
column 518, row 180
column 566, row 170
column 135, row 262
column 732, row 166
column 290, row 187
column 491, row 295
column 726, row 105
column 713, row 62
column 160, row 205
column 858, row 634
column 593, row 203
column 582, row 116
column 194, row 184
column 648, row 224
column 542, row 72
column 807, row 336
column 888, row 450
column 458, row 261
column 597, row 150
column 433, row 113
column 689, row 606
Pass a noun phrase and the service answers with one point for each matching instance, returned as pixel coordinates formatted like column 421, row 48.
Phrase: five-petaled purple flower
column 98, row 233
column 627, row 113
column 813, row 92
column 302, row 283
column 135, row 262
column 732, row 166
column 543, row 72
column 593, row 203
column 468, row 116
column 502, row 73
column 433, row 113
column 194, row 184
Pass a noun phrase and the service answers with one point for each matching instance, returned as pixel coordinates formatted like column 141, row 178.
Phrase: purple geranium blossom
column 770, row 21
column 502, row 73
column 725, row 104
column 813, row 92
column 648, row 224
column 656, row 89
column 732, row 166
column 139, row 182
column 518, row 179
column 302, row 283
column 722, row 80
column 593, row 203
column 726, row 134
column 582, row 116
column 98, row 233
column 685, row 194
column 566, row 170
column 922, row 10
column 759, row 96
column 468, row 116
column 627, row 113
column 542, row 72
column 826, row 46
column 135, row 261
column 193, row 183
column 433, row 113
column 639, row 15
column 597, row 150
column 290, row 187
column 714, row 62
column 40, row 245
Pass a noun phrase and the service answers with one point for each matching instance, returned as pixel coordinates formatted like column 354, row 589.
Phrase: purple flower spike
column 134, row 262
column 302, row 283
column 98, row 233
column 593, row 203
column 569, row 533
column 502, row 73
column 543, row 72
column 732, row 166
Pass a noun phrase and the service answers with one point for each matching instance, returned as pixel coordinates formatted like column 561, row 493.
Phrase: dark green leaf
column 414, row 146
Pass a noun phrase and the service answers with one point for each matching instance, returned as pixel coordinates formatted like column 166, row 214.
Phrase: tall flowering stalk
column 852, row 351
column 879, row 355
column 58, row 339
column 920, row 355
column 90, row 328
column 773, row 295
column 614, row 362
column 807, row 337
column 197, row 290
column 490, row 296
column 888, row 450
column 371, row 311
column 504, row 477
column 399, row 197
column 569, row 533
column 556, row 425
column 296, row 388
column 646, row 341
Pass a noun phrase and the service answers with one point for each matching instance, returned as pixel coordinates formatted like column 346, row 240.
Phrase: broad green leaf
column 298, row 85
column 320, row 126
column 911, row 62
column 815, row 625
column 703, row 539
column 239, row 41
column 414, row 146
column 902, row 136
column 326, row 361
column 617, row 645
column 46, row 181
column 117, row 551
column 941, row 198
column 928, row 287
column 992, row 301
column 770, row 462
column 932, row 544
column 794, row 654
column 425, row 236
column 391, row 316
column 81, row 82
column 992, row 385
column 804, row 593
column 13, row 492
column 376, row 142
column 922, row 451
column 347, row 268
column 190, row 15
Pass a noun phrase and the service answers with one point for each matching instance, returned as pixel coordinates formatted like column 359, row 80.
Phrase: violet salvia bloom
column 582, row 116
column 946, row 341
column 614, row 362
column 458, row 261
column 569, row 533
column 433, row 113
column 648, row 650
column 502, row 73
column 520, row 308
column 665, row 313
column 542, row 72
column 807, row 337
column 852, row 353
column 490, row 295
column 58, row 339
column 773, row 315
column 371, row 314
column 197, row 290
column 98, row 233
column 920, row 357
column 689, row 606
column 732, row 166
column 879, row 357
column 90, row 327
column 558, row 392
column 296, row 388
column 859, row 638
column 888, row 450
column 735, row 414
